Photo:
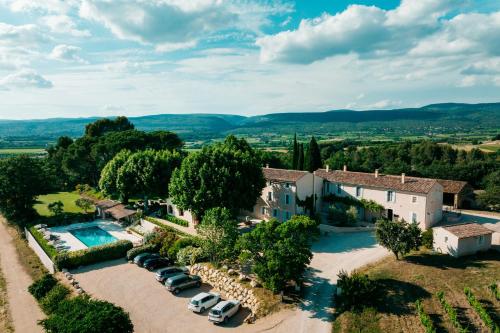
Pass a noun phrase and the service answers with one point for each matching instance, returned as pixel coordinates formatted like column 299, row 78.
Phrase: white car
column 223, row 311
column 203, row 301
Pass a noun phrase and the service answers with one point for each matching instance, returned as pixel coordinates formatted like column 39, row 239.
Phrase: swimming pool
column 93, row 236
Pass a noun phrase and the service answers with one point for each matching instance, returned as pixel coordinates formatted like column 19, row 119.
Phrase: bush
column 180, row 244
column 49, row 250
column 176, row 220
column 357, row 291
column 163, row 226
column 50, row 302
column 84, row 315
column 132, row 253
column 424, row 318
column 337, row 216
column 352, row 215
column 93, row 255
column 41, row 287
column 189, row 255
column 428, row 239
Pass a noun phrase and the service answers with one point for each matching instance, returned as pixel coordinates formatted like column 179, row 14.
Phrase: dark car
column 177, row 283
column 141, row 258
column 155, row 263
column 164, row 273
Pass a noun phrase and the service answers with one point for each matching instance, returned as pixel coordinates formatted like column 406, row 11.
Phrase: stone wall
column 229, row 287
column 44, row 258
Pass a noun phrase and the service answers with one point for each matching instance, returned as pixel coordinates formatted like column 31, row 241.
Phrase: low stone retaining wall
column 230, row 288
column 44, row 258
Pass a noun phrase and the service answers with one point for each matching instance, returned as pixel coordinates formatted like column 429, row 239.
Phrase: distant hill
column 445, row 118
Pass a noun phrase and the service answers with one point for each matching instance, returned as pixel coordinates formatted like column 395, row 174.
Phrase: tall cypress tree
column 313, row 156
column 300, row 159
column 295, row 156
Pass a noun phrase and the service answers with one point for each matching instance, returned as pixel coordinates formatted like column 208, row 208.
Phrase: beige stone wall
column 187, row 216
column 229, row 287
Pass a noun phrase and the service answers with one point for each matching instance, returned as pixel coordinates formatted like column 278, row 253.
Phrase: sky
column 80, row 58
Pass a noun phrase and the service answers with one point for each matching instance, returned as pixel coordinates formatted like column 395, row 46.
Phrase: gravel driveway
column 154, row 309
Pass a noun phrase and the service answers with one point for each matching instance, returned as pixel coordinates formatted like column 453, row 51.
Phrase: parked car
column 164, row 273
column 177, row 283
column 203, row 301
column 141, row 258
column 154, row 263
column 223, row 311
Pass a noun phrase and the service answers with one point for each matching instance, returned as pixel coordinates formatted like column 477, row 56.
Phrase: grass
column 421, row 276
column 67, row 198
column 5, row 319
column 490, row 148
column 20, row 151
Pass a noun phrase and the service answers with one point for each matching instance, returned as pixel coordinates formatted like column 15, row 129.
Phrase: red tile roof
column 411, row 184
column 452, row 186
column 283, row 174
column 466, row 230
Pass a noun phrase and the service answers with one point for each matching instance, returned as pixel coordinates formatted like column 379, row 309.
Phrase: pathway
column 23, row 307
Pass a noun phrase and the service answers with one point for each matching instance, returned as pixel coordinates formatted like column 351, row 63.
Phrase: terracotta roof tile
column 466, row 230
column 411, row 184
column 120, row 211
column 106, row 203
column 283, row 174
column 452, row 186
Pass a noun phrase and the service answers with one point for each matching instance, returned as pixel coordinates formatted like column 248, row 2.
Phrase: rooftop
column 391, row 182
column 466, row 230
column 106, row 203
column 452, row 186
column 283, row 174
column 120, row 211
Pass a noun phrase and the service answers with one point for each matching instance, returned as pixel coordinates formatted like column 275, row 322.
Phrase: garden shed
column 462, row 239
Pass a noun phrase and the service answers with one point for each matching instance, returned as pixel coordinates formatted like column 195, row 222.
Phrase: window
column 446, row 239
column 480, row 240
column 287, row 185
column 414, row 199
column 263, row 210
column 327, row 188
column 414, row 217
column 181, row 212
column 390, row 196
column 358, row 191
column 339, row 189
column 287, row 216
column 287, row 199
column 170, row 210
column 275, row 212
column 269, row 196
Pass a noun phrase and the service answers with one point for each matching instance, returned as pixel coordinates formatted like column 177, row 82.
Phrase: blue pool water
column 93, row 236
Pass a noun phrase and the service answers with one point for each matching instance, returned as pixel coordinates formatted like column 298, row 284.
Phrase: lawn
column 67, row 198
column 421, row 276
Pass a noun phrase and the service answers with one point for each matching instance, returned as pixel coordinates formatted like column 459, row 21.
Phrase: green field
column 67, row 198
column 19, row 151
column 490, row 148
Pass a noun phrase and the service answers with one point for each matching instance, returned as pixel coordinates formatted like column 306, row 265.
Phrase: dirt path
column 23, row 307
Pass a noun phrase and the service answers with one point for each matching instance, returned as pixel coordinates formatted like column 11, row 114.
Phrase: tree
column 399, row 237
column 109, row 175
column 313, row 156
column 358, row 291
column 103, row 126
column 279, row 252
column 300, row 158
column 84, row 203
column 22, row 179
column 56, row 208
column 226, row 174
column 219, row 232
column 85, row 315
column 295, row 156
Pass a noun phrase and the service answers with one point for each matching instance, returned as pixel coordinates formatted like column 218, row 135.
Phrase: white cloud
column 65, row 52
column 63, row 24
column 43, row 6
column 21, row 35
column 25, row 78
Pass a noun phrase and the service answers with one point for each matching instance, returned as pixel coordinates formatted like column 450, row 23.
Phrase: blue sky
column 79, row 58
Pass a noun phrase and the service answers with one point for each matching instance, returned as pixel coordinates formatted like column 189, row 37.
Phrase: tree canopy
column 103, row 126
column 399, row 237
column 313, row 161
column 279, row 252
column 226, row 174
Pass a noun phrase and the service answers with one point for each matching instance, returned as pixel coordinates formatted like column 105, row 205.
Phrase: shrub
column 428, row 239
column 84, row 315
column 424, row 318
column 42, row 286
column 180, row 244
column 189, row 255
column 93, row 255
column 50, row 302
column 49, row 250
column 483, row 314
column 337, row 216
column 166, row 240
column 357, row 291
column 132, row 253
column 163, row 226
column 176, row 220
column 451, row 312
column 352, row 215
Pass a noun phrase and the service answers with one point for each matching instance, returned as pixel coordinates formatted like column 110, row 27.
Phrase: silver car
column 223, row 311
column 203, row 301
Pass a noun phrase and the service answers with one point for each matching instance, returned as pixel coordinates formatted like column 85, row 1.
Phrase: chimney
column 345, row 168
column 267, row 166
column 376, row 173
column 327, row 168
column 402, row 178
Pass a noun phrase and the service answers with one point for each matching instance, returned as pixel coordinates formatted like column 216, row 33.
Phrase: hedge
column 93, row 255
column 49, row 249
column 50, row 302
column 132, row 253
column 424, row 318
column 41, row 287
column 163, row 226
column 483, row 314
column 176, row 220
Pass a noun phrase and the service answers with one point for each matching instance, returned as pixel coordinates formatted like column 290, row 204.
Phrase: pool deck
column 113, row 228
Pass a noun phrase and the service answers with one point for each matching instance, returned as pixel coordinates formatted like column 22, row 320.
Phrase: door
column 390, row 214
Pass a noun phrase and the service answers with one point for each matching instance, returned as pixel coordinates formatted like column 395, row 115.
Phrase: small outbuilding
column 457, row 194
column 462, row 239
